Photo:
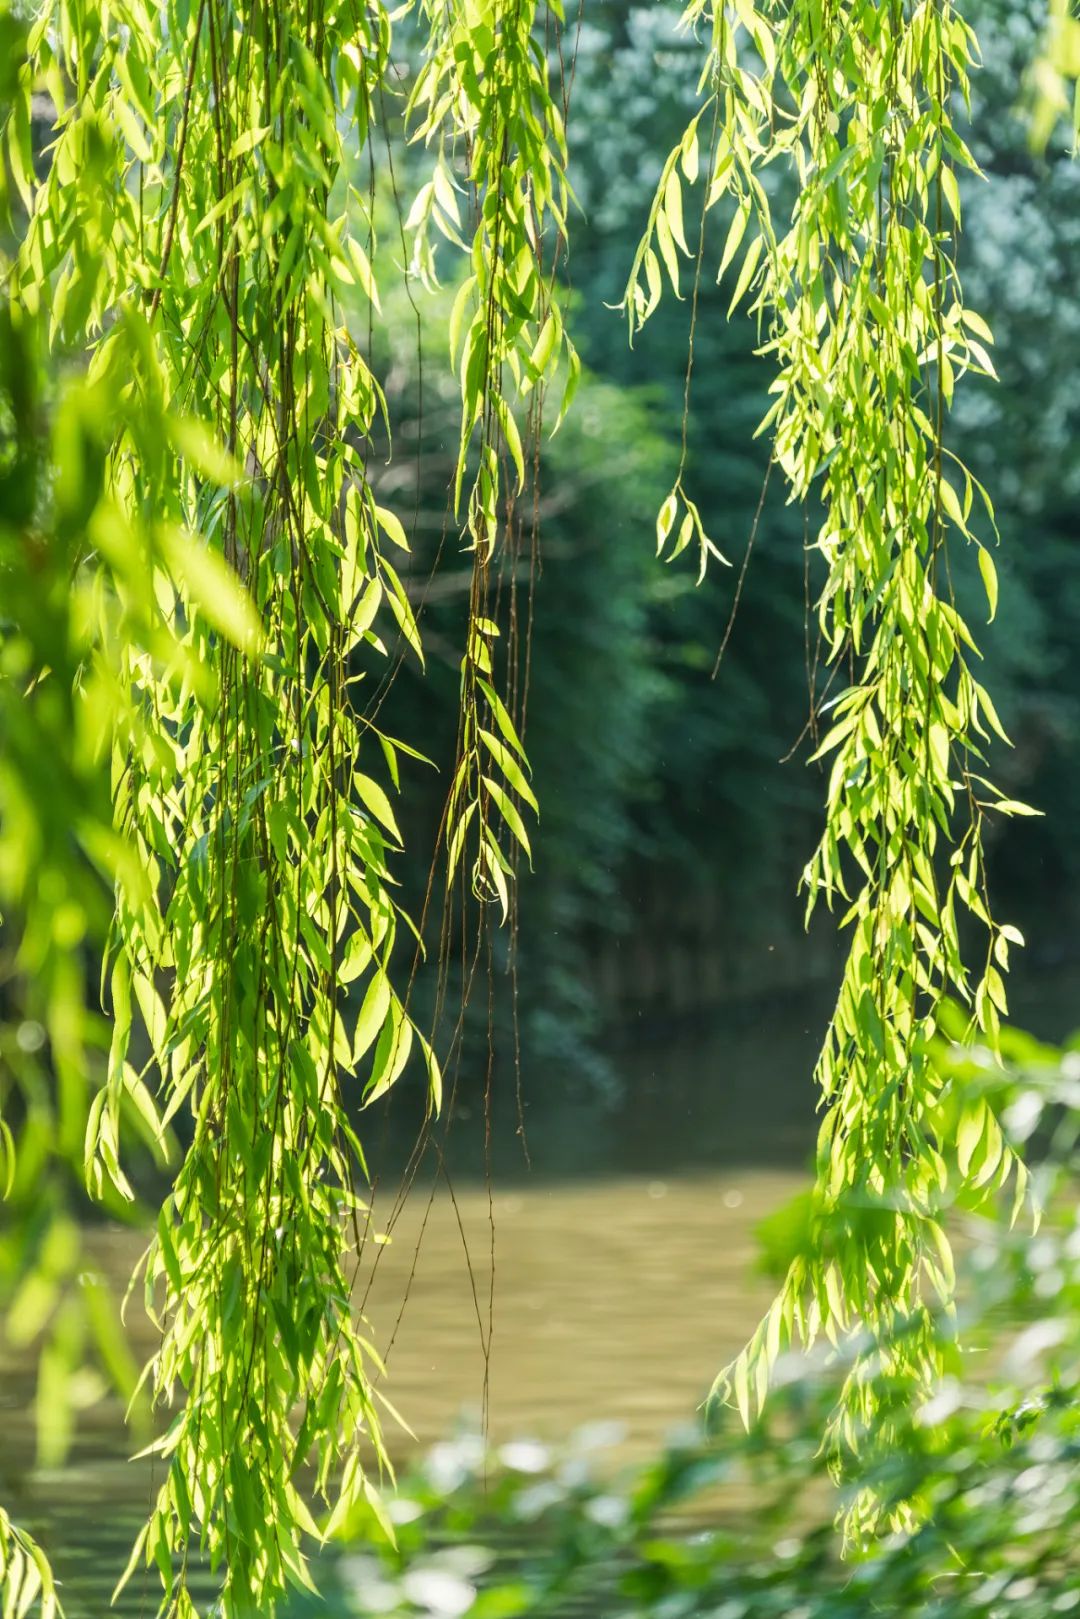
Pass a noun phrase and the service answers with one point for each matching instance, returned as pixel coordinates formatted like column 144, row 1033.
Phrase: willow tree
column 227, row 588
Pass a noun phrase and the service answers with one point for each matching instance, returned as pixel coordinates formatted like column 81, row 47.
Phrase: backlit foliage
column 484, row 91
column 860, row 309
column 198, row 216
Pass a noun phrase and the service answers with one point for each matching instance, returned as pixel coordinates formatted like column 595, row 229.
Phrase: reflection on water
column 695, row 1096
column 615, row 1300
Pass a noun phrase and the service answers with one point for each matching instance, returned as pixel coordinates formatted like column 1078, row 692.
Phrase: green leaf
column 373, row 1015
column 391, row 526
column 665, row 518
column 746, row 273
column 969, row 1134
column 510, row 767
column 214, row 589
column 375, row 799
column 673, row 207
column 990, row 580
column 510, row 815
column 1013, row 806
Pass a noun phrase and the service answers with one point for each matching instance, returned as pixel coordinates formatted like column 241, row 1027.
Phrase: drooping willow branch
column 199, row 221
column 199, row 209
column 78, row 589
column 25, row 1572
column 485, row 89
column 861, row 311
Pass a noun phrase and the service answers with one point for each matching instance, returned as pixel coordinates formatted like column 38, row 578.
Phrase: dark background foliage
column 678, row 807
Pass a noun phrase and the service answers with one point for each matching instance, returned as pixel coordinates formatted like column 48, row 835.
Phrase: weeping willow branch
column 485, row 88
column 198, row 228
column 199, row 213
column 26, row 1579
column 61, row 858
column 1054, row 79
column 861, row 311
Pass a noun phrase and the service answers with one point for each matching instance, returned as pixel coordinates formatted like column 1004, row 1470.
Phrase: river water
column 624, row 1277
column 615, row 1300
